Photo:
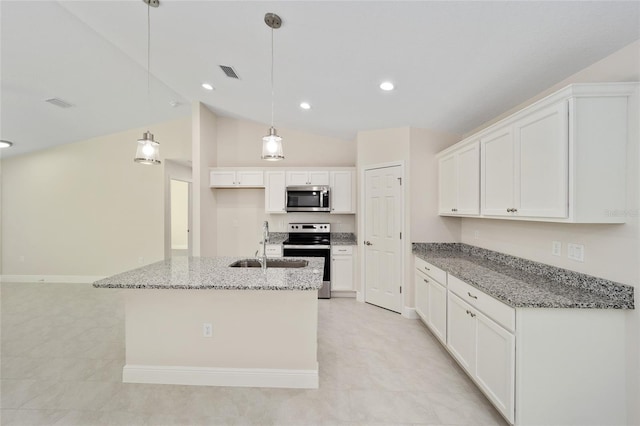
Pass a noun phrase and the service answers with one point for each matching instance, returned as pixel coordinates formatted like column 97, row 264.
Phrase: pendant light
column 148, row 150
column 272, row 143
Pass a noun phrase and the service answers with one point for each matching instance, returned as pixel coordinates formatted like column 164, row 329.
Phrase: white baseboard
column 71, row 279
column 343, row 293
column 360, row 296
column 409, row 313
column 207, row 376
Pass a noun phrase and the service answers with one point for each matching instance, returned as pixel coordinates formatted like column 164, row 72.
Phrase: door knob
column 368, row 243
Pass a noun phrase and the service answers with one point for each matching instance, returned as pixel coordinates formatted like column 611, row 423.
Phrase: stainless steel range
column 311, row 240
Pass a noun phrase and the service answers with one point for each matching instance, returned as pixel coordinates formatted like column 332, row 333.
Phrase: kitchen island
column 198, row 321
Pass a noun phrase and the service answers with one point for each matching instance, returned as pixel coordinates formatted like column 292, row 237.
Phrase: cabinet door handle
column 368, row 243
column 427, row 268
column 471, row 313
column 425, row 280
column 509, row 210
column 472, row 296
column 514, row 210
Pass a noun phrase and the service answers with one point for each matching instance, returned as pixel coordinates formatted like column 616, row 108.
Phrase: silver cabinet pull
column 368, row 243
column 472, row 296
column 427, row 268
column 471, row 313
column 514, row 210
column 425, row 280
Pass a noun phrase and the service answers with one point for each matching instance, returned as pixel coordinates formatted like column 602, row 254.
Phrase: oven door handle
column 307, row 247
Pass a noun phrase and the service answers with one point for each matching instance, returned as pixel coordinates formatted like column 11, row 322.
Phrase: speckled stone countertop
column 277, row 237
column 205, row 273
column 337, row 238
column 343, row 239
column 522, row 283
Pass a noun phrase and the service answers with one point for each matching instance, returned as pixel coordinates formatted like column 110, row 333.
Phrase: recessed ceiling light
column 207, row 86
column 305, row 105
column 386, row 86
column 5, row 144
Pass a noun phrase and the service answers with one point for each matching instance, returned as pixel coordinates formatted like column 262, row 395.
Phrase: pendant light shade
column 272, row 146
column 148, row 151
column 272, row 143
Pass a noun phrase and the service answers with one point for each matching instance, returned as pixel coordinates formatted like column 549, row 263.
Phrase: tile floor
column 62, row 355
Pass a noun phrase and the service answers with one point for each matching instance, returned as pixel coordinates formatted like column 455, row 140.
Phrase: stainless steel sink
column 271, row 263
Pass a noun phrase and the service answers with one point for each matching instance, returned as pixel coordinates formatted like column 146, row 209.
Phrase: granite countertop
column 522, row 283
column 337, row 238
column 343, row 239
column 205, row 273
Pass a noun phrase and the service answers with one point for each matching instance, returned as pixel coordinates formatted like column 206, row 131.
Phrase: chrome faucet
column 265, row 240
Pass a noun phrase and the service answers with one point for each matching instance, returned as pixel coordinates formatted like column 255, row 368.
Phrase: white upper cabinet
column 343, row 192
column 497, row 181
column 236, row 178
column 302, row 177
column 274, row 195
column 525, row 166
column 459, row 181
column 541, row 163
column 562, row 159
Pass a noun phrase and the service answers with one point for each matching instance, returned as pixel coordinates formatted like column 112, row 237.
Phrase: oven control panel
column 309, row 227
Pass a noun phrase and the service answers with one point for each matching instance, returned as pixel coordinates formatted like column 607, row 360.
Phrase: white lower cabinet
column 482, row 347
column 568, row 367
column 437, row 313
column 431, row 297
column 342, row 268
column 495, row 364
column 461, row 339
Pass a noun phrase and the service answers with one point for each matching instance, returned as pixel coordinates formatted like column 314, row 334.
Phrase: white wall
column 241, row 212
column 611, row 251
column 85, row 208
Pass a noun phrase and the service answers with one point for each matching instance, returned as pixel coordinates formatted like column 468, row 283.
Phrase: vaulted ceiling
column 455, row 64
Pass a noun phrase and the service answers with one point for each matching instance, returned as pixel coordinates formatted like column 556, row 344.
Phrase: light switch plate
column 556, row 248
column 575, row 252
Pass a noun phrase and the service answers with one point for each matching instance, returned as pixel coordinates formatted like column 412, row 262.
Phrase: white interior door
column 383, row 224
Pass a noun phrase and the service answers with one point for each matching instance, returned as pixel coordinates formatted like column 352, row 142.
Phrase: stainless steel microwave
column 308, row 198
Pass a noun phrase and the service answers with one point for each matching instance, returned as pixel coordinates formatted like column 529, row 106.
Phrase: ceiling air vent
column 59, row 103
column 230, row 72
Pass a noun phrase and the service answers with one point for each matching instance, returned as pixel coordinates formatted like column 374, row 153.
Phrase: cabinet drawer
column 274, row 250
column 498, row 311
column 433, row 271
column 342, row 249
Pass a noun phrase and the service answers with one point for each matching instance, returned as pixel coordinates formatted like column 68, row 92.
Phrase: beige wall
column 240, row 144
column 205, row 145
column 241, row 212
column 611, row 251
column 86, row 208
column 416, row 149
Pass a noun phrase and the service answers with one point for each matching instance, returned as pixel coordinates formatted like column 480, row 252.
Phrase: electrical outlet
column 575, row 252
column 556, row 248
column 207, row 329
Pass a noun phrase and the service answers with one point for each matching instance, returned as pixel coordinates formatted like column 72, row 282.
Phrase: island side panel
column 253, row 330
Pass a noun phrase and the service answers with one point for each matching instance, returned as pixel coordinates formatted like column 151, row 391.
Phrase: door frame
column 361, row 227
column 182, row 171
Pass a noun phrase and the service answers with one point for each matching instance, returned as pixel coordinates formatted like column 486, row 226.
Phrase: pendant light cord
column 272, row 90
column 149, row 60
